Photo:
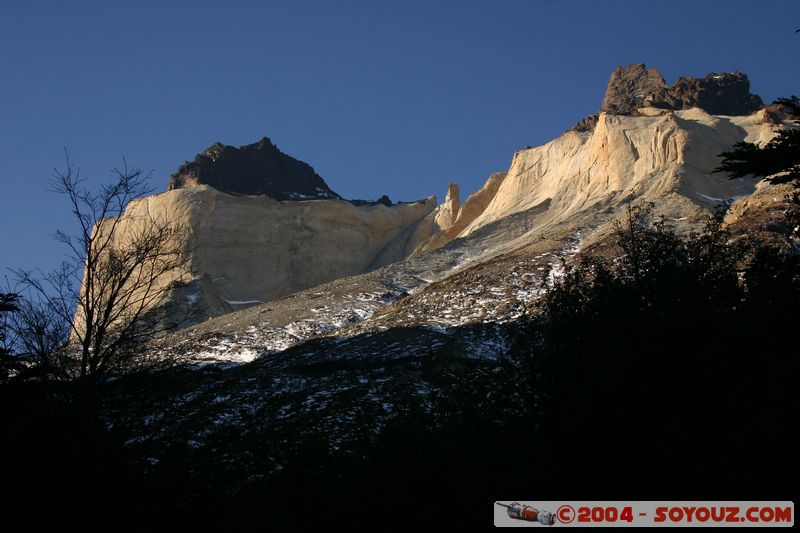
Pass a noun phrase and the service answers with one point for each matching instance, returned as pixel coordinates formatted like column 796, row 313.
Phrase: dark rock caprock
column 258, row 168
column 717, row 94
column 637, row 86
column 632, row 87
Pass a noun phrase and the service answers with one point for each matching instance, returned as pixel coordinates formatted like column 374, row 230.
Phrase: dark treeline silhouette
column 671, row 364
column 9, row 303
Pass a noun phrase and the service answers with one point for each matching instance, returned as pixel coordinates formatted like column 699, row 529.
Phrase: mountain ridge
column 251, row 249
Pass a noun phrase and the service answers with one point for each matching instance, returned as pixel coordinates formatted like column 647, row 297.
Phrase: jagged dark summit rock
column 258, row 168
column 717, row 94
column 637, row 86
column 632, row 87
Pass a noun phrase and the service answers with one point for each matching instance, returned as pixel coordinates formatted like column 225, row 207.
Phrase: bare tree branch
column 120, row 265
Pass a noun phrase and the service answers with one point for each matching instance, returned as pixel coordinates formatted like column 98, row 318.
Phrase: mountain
column 262, row 225
column 358, row 347
column 330, row 282
column 258, row 168
column 479, row 263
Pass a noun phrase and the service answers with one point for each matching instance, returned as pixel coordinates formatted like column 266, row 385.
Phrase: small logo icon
column 565, row 514
column 530, row 514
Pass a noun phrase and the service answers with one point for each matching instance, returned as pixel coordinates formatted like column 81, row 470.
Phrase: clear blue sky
column 381, row 97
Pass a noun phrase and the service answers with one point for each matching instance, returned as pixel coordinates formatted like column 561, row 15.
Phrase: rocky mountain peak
column 636, row 86
column 254, row 169
column 631, row 87
column 726, row 93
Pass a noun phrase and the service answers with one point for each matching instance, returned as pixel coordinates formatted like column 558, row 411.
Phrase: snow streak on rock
column 434, row 311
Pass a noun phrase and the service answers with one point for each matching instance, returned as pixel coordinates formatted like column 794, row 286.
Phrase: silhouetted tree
column 41, row 336
column 8, row 306
column 792, row 102
column 676, row 349
column 778, row 161
column 114, row 274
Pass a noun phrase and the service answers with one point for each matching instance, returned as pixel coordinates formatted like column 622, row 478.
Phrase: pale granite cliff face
column 667, row 158
column 451, row 218
column 661, row 156
column 247, row 250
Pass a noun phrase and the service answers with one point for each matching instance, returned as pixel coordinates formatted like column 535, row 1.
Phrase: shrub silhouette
column 673, row 354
